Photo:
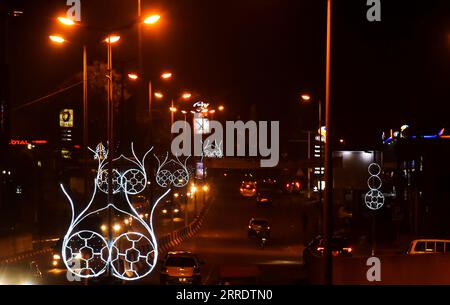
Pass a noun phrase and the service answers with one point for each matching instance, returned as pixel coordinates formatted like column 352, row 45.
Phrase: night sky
column 259, row 54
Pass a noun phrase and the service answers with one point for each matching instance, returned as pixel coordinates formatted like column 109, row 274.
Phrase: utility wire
column 46, row 96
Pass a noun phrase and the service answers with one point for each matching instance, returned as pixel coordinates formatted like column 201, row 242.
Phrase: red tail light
column 349, row 250
column 320, row 248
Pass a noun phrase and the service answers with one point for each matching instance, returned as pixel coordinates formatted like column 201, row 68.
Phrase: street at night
column 210, row 151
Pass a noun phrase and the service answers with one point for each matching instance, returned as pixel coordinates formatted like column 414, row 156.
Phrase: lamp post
column 60, row 40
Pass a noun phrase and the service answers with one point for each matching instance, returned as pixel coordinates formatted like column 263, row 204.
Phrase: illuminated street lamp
column 66, row 21
column 159, row 95
column 152, row 19
column 166, row 75
column 57, row 39
column 221, row 108
column 133, row 76
column 306, row 97
column 112, row 39
column 173, row 109
column 186, row 95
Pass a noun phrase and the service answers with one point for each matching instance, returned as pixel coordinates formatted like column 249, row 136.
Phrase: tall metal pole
column 85, row 124
column 110, row 140
column 328, row 207
column 309, row 169
column 319, row 187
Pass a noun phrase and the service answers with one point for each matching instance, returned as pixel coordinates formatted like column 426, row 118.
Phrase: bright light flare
column 158, row 95
column 133, row 76
column 66, row 21
column 166, row 75
column 57, row 38
column 152, row 19
column 186, row 96
column 221, row 108
column 112, row 39
column 306, row 97
column 173, row 109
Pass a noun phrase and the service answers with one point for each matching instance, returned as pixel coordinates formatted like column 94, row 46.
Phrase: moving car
column 180, row 267
column 22, row 273
column 292, row 186
column 248, row 188
column 256, row 226
column 171, row 209
column 429, row 246
column 56, row 261
column 340, row 246
column 263, row 199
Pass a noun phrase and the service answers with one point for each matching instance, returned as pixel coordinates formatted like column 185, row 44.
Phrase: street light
column 186, row 95
column 66, row 21
column 221, row 108
column 57, row 39
column 112, row 39
column 173, row 109
column 152, row 19
column 306, row 97
column 159, row 95
column 166, row 75
column 133, row 76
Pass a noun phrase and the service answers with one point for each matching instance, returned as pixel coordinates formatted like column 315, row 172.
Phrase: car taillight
column 320, row 248
column 297, row 184
column 249, row 227
column 347, row 249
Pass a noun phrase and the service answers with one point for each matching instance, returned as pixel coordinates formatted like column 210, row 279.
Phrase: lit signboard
column 66, row 118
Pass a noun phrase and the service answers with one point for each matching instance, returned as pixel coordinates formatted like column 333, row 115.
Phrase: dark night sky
column 263, row 52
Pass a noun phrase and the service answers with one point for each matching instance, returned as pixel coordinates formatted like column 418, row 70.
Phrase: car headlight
column 56, row 256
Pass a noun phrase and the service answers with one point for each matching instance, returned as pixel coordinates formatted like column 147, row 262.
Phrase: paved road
column 222, row 242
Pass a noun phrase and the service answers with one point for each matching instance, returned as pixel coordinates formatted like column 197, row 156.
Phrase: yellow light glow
column 57, row 39
column 117, row 227
column 176, row 195
column 212, row 111
column 186, row 95
column 66, row 21
column 183, row 111
column 103, row 228
column 205, row 188
column 166, row 75
column 306, row 97
column 152, row 19
column 133, row 76
column 173, row 109
column 221, row 108
column 112, row 39
column 193, row 189
column 158, row 95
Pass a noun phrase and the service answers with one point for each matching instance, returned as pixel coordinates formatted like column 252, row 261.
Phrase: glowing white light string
column 131, row 182
column 374, row 199
column 178, row 178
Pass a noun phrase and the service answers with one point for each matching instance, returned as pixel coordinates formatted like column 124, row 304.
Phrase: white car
column 180, row 267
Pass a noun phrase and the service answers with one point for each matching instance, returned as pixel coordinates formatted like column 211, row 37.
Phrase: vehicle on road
column 292, row 186
column 180, row 267
column 56, row 261
column 340, row 246
column 22, row 273
column 263, row 199
column 171, row 209
column 429, row 246
column 248, row 188
column 258, row 227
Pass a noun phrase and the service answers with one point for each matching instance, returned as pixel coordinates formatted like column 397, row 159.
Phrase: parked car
column 22, row 273
column 263, row 199
column 180, row 267
column 429, row 246
column 340, row 246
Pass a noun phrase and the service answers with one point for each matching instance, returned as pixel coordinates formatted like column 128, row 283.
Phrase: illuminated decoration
column 394, row 135
column 374, row 199
column 66, row 118
column 131, row 255
column 213, row 150
column 172, row 172
column 201, row 123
